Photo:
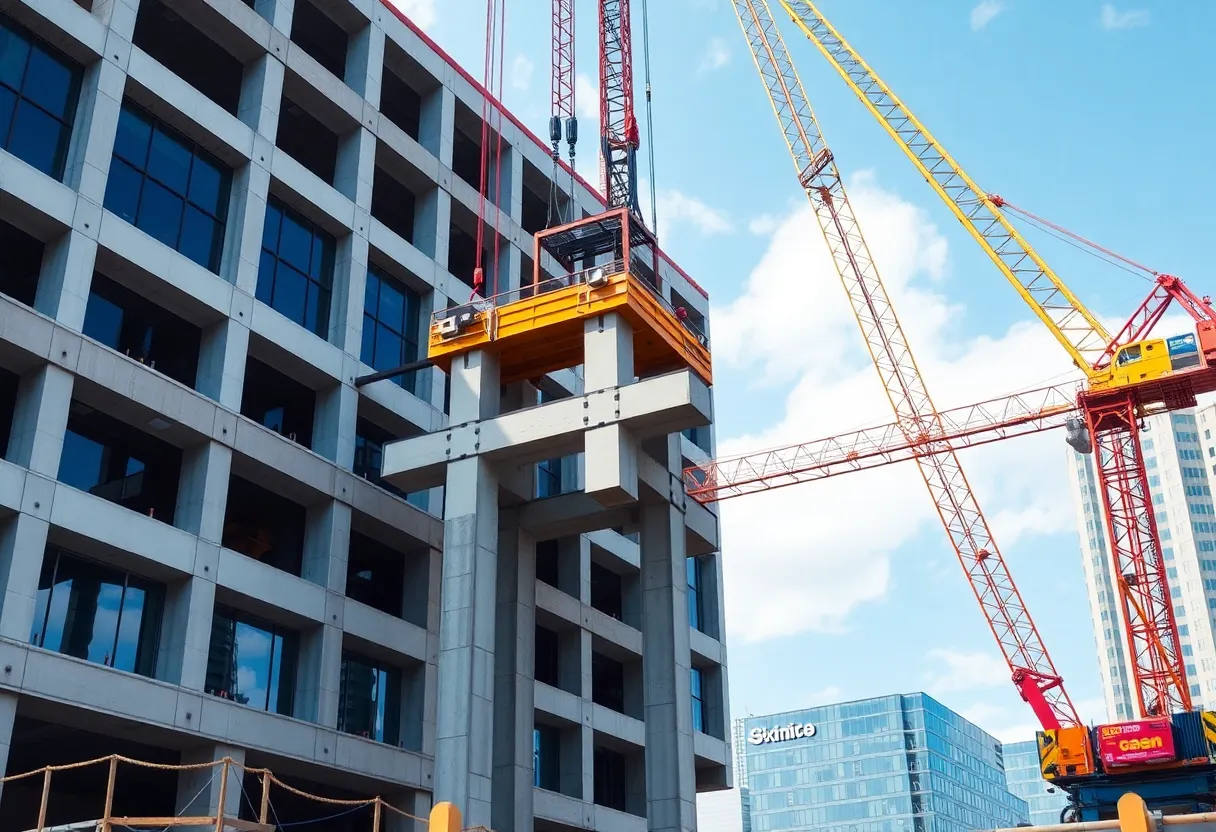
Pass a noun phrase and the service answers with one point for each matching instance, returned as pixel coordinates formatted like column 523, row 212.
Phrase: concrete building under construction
column 217, row 216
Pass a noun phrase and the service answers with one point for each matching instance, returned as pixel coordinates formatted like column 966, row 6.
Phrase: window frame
column 289, row 641
column 323, row 282
column 696, row 678
column 389, row 685
column 119, row 162
column 409, row 334
column 66, row 122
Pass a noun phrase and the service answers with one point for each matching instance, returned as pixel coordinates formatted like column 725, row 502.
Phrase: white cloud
column 676, row 209
column 1112, row 18
column 1012, row 723
column 803, row 559
column 586, row 101
column 961, row 670
column 764, row 225
column 984, row 12
column 717, row 55
column 422, row 12
column 521, row 72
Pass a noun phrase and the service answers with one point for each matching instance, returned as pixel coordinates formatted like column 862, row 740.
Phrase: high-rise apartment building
column 216, row 216
column 1179, row 456
column 890, row 764
column 1045, row 802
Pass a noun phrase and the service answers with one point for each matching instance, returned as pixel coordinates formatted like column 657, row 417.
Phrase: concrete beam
column 654, row 407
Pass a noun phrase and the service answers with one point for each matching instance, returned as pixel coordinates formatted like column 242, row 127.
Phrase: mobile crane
column 1128, row 376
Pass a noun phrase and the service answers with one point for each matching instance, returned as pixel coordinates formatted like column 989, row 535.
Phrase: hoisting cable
column 654, row 210
column 492, row 41
column 497, row 112
column 1088, row 246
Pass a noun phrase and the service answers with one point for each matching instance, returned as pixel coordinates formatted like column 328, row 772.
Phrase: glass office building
column 1024, row 778
column 891, row 764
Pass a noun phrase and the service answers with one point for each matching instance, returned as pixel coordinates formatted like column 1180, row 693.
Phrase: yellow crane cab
column 1151, row 359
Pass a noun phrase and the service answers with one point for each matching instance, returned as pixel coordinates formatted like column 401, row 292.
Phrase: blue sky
column 1088, row 114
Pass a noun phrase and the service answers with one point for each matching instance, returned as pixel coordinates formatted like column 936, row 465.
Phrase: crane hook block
column 572, row 131
column 1076, row 434
column 555, row 130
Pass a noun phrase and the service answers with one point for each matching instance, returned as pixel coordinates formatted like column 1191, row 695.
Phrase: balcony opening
column 252, row 661
column 38, row 94
column 462, row 249
column 264, row 526
column 375, row 575
column 370, row 440
column 539, row 212
column 320, row 36
column 129, row 323
column 168, row 187
column 9, row 383
column 77, row 795
column 400, row 103
column 393, row 204
column 607, row 682
column 547, row 757
column 96, row 612
column 557, row 564
column 547, row 658
column 189, row 53
column 296, row 271
column 112, row 460
column 610, row 787
column 607, row 591
column 278, row 402
column 306, row 139
column 370, row 699
column 466, row 154
column 22, row 260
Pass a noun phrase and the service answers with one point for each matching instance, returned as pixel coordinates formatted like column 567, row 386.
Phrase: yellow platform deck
column 543, row 333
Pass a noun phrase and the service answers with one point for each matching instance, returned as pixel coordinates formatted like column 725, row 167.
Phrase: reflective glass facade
column 1026, row 781
column 891, row 764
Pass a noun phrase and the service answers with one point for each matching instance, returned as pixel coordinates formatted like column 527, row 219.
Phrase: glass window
column 693, row 567
column 38, row 92
column 251, row 661
column 369, row 703
column 609, row 778
column 95, row 612
column 698, row 701
column 546, row 751
column 390, row 326
column 370, row 440
column 168, row 187
column 297, row 268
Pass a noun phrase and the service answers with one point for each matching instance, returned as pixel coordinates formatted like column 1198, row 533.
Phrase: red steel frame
column 618, row 124
column 1131, row 527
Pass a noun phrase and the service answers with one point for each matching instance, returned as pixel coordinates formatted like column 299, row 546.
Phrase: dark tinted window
column 375, row 575
column 390, row 325
column 98, row 613
column 168, row 187
column 609, row 775
column 546, row 757
column 369, row 703
column 297, row 269
column 546, row 658
column 38, row 91
column 20, row 265
column 693, row 568
column 251, row 661
column 698, row 700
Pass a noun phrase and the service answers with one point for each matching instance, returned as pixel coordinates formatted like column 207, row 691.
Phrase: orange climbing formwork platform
column 539, row 328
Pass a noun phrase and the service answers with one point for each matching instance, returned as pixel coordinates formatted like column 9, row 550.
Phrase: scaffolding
column 444, row 817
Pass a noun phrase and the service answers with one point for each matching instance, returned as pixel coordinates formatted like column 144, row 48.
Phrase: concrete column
column 261, row 94
column 277, row 12
column 513, row 187
column 186, row 635
column 417, row 803
column 22, row 546
column 66, row 275
column 40, row 418
column 670, row 775
column 202, row 494
column 350, row 283
column 334, row 420
column 465, row 728
column 514, row 683
column 611, row 462
column 434, row 387
column 221, row 360
column 198, row 790
column 365, row 62
column 319, row 676
column 432, row 225
column 327, row 545
column 437, row 126
column 101, row 94
column 8, row 715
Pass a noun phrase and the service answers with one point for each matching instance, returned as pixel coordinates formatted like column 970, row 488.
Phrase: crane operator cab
column 1151, row 359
